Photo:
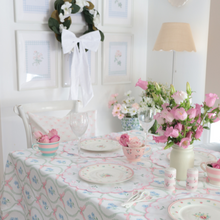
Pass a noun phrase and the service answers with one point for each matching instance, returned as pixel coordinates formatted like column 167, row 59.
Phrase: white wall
column 190, row 67
column 13, row 135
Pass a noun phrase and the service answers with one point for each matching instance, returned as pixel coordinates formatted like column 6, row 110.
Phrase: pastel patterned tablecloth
column 40, row 188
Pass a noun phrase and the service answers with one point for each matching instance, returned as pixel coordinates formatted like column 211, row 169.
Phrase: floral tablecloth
column 40, row 188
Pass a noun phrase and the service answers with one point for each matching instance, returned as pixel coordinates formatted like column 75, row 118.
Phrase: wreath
column 60, row 18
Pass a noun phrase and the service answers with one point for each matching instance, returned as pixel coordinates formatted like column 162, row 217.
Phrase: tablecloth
column 37, row 187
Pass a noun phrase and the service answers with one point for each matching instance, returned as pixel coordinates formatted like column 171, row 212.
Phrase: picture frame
column 117, row 58
column 33, row 11
column 67, row 62
column 36, row 59
column 118, row 13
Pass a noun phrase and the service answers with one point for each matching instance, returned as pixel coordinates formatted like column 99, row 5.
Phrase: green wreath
column 60, row 18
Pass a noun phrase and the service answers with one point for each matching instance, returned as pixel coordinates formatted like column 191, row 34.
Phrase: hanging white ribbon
column 80, row 72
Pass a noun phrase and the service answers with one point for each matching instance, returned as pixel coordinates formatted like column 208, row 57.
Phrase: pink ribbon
column 38, row 198
column 19, row 203
column 7, row 181
column 100, row 200
column 54, row 213
column 44, row 184
column 128, row 215
column 4, row 217
column 81, row 212
column 28, row 176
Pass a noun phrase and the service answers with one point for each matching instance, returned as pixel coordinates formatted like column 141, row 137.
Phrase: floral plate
column 99, row 144
column 200, row 157
column 195, row 209
column 103, row 173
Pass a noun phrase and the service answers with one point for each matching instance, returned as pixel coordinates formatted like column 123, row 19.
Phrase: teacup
column 135, row 154
column 213, row 173
column 47, row 149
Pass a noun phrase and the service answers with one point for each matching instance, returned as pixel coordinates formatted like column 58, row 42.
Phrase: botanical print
column 118, row 2
column 105, row 175
column 101, row 146
column 117, row 57
column 92, row 217
column 201, row 216
column 37, row 58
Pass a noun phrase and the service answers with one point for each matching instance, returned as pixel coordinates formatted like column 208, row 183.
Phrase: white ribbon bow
column 80, row 73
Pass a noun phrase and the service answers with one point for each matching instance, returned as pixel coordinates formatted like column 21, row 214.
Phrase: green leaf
column 88, row 17
column 205, row 127
column 53, row 23
column 67, row 23
column 75, row 9
column 54, row 29
column 102, row 36
column 169, row 145
column 58, row 4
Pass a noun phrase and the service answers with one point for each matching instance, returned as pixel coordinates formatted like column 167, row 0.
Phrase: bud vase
column 130, row 124
column 182, row 159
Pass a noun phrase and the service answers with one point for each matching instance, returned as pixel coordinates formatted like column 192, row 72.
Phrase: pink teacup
column 213, row 173
column 135, row 154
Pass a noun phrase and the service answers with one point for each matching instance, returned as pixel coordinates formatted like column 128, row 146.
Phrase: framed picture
column 117, row 55
column 34, row 11
column 117, row 12
column 78, row 17
column 67, row 62
column 37, row 60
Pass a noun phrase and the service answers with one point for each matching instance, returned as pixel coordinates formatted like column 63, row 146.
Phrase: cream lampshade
column 175, row 36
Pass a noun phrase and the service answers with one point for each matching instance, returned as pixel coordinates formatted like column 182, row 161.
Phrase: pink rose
column 160, row 139
column 55, row 138
column 124, row 139
column 210, row 99
column 192, row 113
column 185, row 142
column 170, row 132
column 136, row 106
column 189, row 134
column 164, row 106
column 199, row 132
column 160, row 131
column 142, row 84
column 52, row 133
column 179, row 127
column 37, row 134
column 134, row 142
column 159, row 119
column 198, row 109
column 44, row 139
column 179, row 96
column 180, row 114
column 216, row 165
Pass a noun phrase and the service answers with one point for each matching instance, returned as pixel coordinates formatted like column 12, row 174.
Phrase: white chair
column 21, row 110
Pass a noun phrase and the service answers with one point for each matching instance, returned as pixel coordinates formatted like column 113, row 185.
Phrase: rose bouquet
column 215, row 165
column 128, row 108
column 133, row 142
column 51, row 137
column 180, row 122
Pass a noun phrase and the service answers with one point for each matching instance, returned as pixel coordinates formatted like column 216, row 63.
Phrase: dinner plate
column 99, row 144
column 195, row 209
column 200, row 157
column 103, row 173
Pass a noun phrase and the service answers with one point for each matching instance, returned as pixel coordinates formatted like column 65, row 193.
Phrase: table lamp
column 175, row 36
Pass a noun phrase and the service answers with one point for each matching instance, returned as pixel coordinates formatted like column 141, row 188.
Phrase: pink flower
column 136, row 106
column 189, row 134
column 179, row 96
column 192, row 113
column 52, row 133
column 210, row 99
column 44, row 139
column 55, row 138
column 185, row 142
column 179, row 127
column 216, row 165
column 160, row 139
column 142, row 84
column 198, row 109
column 114, row 95
column 170, row 132
column 199, row 132
column 115, row 112
column 124, row 139
column 117, row 107
column 180, row 114
column 168, row 116
column 134, row 142
column 111, row 103
column 164, row 106
column 160, row 131
column 37, row 134
column 120, row 116
column 159, row 119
